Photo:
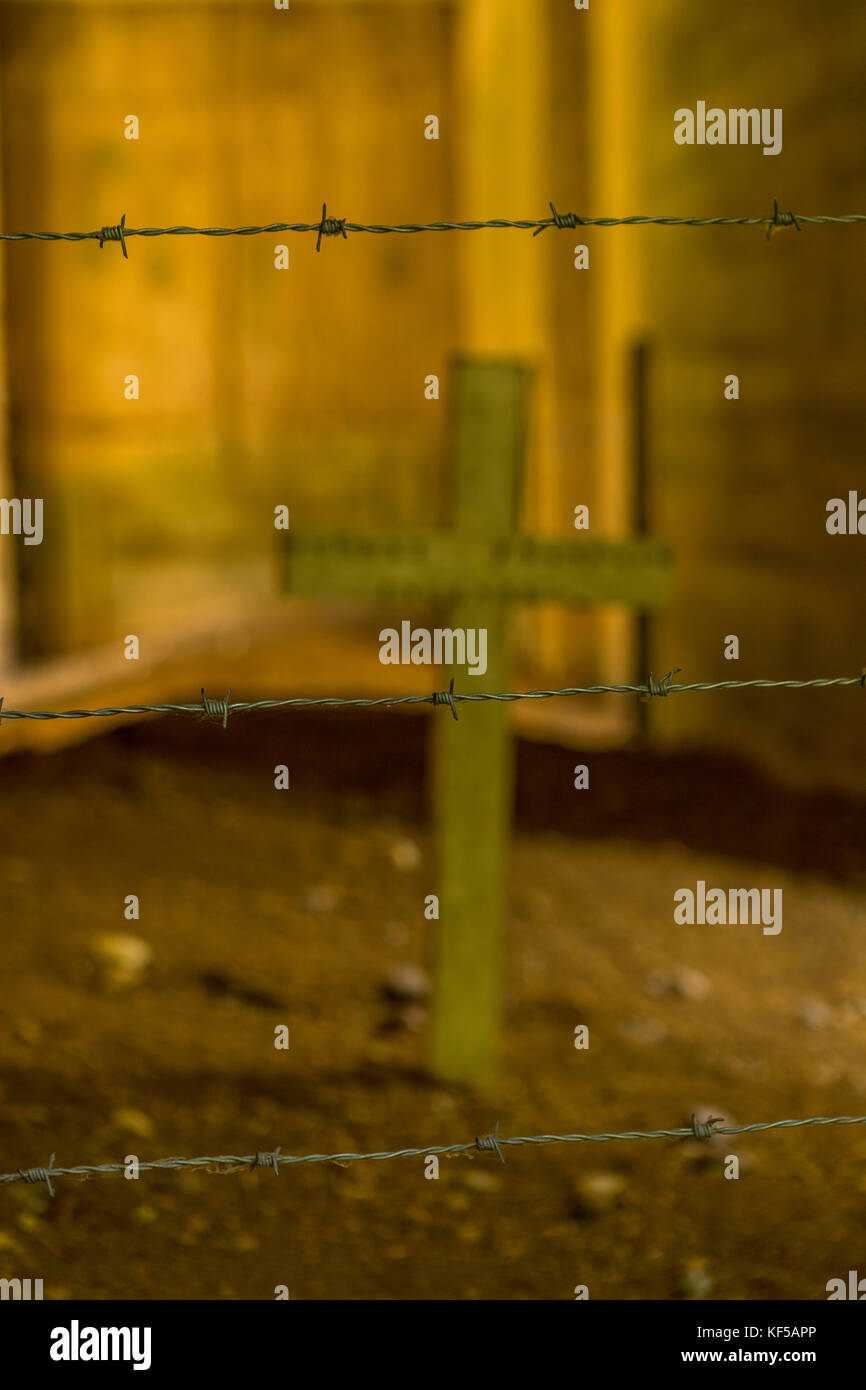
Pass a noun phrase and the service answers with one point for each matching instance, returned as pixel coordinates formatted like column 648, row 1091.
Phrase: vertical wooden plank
column 617, row 85
column 26, row 176
column 7, row 569
column 53, row 176
column 500, row 154
column 502, row 161
column 473, row 770
column 640, row 463
column 224, row 35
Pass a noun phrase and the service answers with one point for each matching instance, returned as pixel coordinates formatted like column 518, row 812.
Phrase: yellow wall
column 742, row 486
column 261, row 386
column 258, row 386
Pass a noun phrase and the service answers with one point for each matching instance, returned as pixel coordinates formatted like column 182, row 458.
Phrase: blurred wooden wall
column 257, row 386
column 742, row 485
column 306, row 386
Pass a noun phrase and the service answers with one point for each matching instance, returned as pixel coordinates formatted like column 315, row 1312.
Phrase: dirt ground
column 265, row 907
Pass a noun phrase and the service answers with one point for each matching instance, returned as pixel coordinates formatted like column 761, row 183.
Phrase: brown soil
column 264, row 908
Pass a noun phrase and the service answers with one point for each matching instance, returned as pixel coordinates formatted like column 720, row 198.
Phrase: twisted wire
column 221, row 709
column 494, row 1143
column 341, row 226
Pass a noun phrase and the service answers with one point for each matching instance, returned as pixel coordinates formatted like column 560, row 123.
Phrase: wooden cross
column 479, row 568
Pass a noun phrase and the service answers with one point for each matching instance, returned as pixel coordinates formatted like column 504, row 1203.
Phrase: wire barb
column 439, row 697
column 705, row 1129
column 117, row 233
column 781, row 219
column 267, row 1160
column 32, row 1175
column 661, row 687
column 559, row 219
column 216, row 709
column 330, row 226
column 490, row 1143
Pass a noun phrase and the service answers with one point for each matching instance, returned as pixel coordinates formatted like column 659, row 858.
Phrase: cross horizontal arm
column 442, row 565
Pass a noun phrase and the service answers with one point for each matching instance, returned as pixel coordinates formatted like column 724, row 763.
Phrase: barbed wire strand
column 492, row 1143
column 220, row 709
column 340, row 226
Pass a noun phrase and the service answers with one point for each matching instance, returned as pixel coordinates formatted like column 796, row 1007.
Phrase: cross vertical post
column 473, row 758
